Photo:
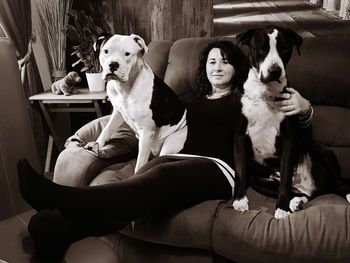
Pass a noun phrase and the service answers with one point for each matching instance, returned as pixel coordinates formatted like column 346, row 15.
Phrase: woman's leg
column 52, row 233
column 162, row 184
column 68, row 214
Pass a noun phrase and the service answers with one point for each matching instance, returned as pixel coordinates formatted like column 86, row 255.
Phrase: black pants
column 163, row 184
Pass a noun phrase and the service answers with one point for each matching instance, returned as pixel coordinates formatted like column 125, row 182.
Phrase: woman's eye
column 127, row 54
column 105, row 51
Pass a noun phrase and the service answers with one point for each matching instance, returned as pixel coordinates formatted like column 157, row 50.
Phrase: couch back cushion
column 157, row 57
column 319, row 74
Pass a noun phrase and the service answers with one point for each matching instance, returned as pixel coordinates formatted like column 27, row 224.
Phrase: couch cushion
column 191, row 227
column 331, row 129
column 319, row 233
column 121, row 147
column 130, row 250
column 91, row 250
column 321, row 72
column 159, row 62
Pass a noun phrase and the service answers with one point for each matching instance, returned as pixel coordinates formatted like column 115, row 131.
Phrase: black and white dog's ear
column 139, row 40
column 245, row 37
column 101, row 39
column 295, row 39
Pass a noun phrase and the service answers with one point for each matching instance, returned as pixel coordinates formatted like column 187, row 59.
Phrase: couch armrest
column 78, row 165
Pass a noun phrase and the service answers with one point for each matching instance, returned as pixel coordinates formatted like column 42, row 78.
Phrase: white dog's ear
column 139, row 40
column 101, row 39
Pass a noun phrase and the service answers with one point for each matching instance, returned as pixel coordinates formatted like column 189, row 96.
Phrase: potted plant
column 83, row 33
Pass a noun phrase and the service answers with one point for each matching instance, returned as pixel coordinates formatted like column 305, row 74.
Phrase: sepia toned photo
column 174, row 131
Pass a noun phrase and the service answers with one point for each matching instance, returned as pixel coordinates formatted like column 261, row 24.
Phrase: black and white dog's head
column 270, row 49
column 120, row 55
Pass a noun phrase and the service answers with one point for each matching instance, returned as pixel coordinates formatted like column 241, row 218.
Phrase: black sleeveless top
column 212, row 124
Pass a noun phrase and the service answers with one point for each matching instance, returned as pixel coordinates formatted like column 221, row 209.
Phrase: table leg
column 48, row 155
column 51, row 126
column 97, row 108
column 53, row 138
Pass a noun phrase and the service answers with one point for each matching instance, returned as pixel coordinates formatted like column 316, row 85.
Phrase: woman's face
column 219, row 70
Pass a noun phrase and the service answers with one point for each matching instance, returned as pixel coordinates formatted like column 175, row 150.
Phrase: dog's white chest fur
column 264, row 119
column 133, row 103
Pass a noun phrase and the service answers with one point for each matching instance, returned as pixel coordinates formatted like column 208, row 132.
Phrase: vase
column 95, row 82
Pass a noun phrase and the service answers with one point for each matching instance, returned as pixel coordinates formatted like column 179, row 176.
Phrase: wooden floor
column 232, row 17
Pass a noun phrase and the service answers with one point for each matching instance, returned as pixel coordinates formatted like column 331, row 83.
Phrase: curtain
column 15, row 18
column 50, row 20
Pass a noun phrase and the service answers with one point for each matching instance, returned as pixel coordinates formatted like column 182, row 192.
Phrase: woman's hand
column 291, row 103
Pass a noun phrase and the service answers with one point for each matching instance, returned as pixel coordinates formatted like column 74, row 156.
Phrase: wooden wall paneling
column 197, row 18
column 163, row 19
column 161, row 22
column 331, row 5
column 344, row 11
column 122, row 16
column 316, row 2
column 174, row 19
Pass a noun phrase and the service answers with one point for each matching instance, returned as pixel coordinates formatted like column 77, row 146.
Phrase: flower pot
column 95, row 82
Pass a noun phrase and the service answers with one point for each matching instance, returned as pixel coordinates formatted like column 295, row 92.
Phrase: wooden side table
column 47, row 100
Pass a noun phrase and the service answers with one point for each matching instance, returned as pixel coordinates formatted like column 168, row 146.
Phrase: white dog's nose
column 113, row 66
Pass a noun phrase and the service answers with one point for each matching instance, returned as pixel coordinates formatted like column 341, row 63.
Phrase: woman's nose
column 217, row 67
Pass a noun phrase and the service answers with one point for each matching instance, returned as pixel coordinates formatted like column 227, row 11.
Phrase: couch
column 212, row 231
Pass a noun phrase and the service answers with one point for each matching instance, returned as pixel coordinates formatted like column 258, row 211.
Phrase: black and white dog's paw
column 297, row 203
column 280, row 213
column 241, row 204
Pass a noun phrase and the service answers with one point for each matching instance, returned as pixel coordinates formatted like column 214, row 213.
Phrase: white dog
column 140, row 98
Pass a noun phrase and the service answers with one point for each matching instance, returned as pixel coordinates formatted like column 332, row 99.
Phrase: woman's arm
column 292, row 103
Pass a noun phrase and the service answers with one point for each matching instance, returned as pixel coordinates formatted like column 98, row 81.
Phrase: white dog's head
column 120, row 56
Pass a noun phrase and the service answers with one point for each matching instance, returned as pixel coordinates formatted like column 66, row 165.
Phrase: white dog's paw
column 101, row 143
column 92, row 147
column 297, row 203
column 241, row 205
column 348, row 198
column 279, row 213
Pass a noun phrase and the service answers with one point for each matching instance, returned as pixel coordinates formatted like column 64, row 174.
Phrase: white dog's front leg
column 145, row 141
column 113, row 124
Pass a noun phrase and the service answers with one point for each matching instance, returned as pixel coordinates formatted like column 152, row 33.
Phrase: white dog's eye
column 127, row 54
column 105, row 51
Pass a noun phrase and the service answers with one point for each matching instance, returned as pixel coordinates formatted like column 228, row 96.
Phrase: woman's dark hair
column 233, row 55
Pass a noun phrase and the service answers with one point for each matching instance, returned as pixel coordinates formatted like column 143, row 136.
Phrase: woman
column 203, row 170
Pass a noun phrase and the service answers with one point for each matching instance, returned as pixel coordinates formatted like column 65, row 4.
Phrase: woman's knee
column 155, row 162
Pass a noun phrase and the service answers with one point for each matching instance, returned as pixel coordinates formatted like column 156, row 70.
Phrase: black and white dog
column 271, row 142
column 140, row 98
